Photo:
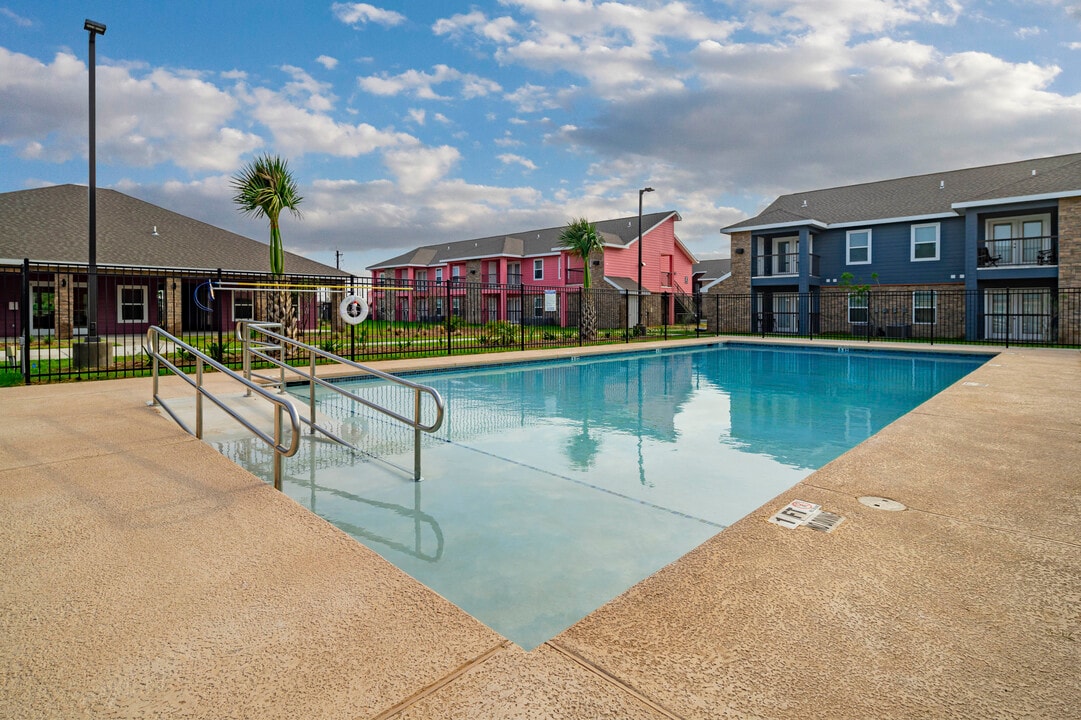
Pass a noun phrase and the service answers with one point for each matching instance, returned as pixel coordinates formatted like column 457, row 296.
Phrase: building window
column 538, row 269
column 455, row 272
column 456, row 306
column 859, row 247
column 131, row 304
column 243, row 307
column 925, row 242
column 924, row 307
column 538, row 307
column 857, row 308
column 514, row 273
column 439, row 275
column 439, row 307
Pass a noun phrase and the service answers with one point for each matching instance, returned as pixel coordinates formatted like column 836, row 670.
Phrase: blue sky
column 410, row 123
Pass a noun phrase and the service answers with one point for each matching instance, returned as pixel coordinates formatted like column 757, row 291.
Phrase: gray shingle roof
column 922, row 195
column 530, row 243
column 50, row 225
column 713, row 269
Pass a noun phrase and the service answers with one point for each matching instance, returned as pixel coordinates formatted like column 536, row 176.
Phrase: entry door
column 786, row 313
column 1017, row 314
column 785, row 257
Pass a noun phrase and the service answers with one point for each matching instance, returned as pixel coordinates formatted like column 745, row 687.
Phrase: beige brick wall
column 891, row 308
column 1069, row 242
column 740, row 282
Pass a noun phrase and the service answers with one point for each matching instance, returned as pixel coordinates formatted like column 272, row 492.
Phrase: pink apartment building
column 529, row 276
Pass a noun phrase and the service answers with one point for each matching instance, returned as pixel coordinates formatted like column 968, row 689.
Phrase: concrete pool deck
column 144, row 575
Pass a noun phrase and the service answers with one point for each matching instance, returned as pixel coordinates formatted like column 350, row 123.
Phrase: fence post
column 449, row 310
column 352, row 327
column 581, row 308
column 521, row 314
column 219, row 353
column 24, row 320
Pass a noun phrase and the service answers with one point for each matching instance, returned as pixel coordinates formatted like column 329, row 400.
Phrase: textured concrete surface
column 143, row 575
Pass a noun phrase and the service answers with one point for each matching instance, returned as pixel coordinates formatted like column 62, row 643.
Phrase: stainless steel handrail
column 278, row 342
column 154, row 337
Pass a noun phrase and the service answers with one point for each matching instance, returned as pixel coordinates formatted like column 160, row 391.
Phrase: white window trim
column 538, row 307
column 439, row 275
column 538, row 269
column 848, row 247
column 120, row 304
column 938, row 242
column 865, row 306
column 933, row 307
column 249, row 300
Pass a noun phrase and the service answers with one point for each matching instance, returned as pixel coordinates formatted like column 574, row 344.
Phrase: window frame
column 866, row 308
column 849, row 247
column 120, row 304
column 249, row 301
column 538, row 306
column 933, row 307
column 538, row 268
column 913, row 244
column 439, row 274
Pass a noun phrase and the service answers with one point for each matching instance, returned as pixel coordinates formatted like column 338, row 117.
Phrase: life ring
column 210, row 296
column 353, row 309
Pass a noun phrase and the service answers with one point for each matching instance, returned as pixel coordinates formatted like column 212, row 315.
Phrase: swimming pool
column 552, row 487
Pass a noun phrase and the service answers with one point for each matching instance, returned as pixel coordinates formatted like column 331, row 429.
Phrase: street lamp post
column 95, row 29
column 639, row 327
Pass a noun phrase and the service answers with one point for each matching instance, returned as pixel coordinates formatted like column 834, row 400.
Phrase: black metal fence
column 43, row 311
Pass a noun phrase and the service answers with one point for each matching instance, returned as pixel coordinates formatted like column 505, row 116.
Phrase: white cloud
column 298, row 131
column 417, row 168
column 315, row 95
column 362, row 13
column 16, row 18
column 144, row 118
column 498, row 30
column 511, row 159
column 422, row 84
column 417, row 115
column 328, row 62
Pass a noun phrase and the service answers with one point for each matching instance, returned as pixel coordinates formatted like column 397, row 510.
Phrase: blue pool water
column 553, row 487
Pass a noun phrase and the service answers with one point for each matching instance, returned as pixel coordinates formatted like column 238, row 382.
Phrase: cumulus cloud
column 416, row 168
column 422, row 85
column 328, row 62
column 144, row 117
column 511, row 159
column 362, row 13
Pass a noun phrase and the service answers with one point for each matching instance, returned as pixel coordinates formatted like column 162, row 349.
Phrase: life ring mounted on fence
column 353, row 309
column 208, row 307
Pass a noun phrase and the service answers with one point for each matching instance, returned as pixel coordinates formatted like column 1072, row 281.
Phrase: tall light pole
column 95, row 29
column 640, row 327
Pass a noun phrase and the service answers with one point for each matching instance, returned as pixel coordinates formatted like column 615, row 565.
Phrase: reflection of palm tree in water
column 582, row 448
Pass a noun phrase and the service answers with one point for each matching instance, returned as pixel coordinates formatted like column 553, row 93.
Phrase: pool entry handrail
column 154, row 337
column 261, row 341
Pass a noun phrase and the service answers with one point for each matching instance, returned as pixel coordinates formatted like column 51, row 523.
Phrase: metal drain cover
column 881, row 503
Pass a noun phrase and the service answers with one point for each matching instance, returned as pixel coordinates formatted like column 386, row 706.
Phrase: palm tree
column 263, row 188
column 582, row 239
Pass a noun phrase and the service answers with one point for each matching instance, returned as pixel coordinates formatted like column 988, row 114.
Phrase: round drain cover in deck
column 881, row 503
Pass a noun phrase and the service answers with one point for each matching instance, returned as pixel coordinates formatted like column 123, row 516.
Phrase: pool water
column 553, row 487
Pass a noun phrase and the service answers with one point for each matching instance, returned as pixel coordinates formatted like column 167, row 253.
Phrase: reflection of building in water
column 855, row 394
column 639, row 395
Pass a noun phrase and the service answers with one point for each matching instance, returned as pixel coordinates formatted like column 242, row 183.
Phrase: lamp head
column 94, row 27
column 646, row 189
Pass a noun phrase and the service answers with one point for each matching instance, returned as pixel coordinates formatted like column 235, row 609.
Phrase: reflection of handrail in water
column 416, row 513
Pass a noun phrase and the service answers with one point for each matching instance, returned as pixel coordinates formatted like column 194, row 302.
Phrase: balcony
column 781, row 265
column 1017, row 252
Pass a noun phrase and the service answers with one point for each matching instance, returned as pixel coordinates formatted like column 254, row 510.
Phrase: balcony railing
column 1018, row 252
column 781, row 265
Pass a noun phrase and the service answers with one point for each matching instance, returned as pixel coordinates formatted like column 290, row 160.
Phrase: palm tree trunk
column 589, row 316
